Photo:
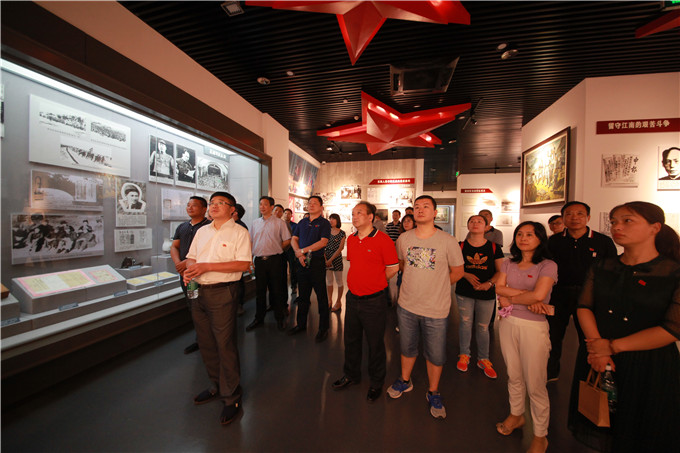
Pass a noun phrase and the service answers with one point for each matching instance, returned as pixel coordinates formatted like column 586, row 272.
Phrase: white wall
column 504, row 187
column 602, row 99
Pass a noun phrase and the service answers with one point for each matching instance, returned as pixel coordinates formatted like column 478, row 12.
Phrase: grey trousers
column 215, row 314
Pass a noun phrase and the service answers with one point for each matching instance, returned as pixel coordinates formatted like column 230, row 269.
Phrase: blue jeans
column 433, row 331
column 470, row 310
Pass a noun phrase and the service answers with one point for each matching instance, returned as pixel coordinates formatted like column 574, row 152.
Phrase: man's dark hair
column 427, row 197
column 278, row 206
column 289, row 210
column 410, row 207
column 370, row 208
column 572, row 203
column 666, row 152
column 226, row 195
column 317, row 197
column 201, row 200
column 240, row 211
column 269, row 199
column 553, row 218
column 541, row 253
column 396, row 210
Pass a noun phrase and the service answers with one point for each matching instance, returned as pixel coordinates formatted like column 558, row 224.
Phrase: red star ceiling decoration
column 360, row 20
column 382, row 127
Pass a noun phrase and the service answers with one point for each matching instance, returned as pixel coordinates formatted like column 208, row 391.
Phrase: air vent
column 232, row 8
column 425, row 79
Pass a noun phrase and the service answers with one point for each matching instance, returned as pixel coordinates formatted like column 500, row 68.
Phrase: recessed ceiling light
column 417, row 106
column 502, row 46
column 509, row 54
column 345, row 101
column 263, row 81
column 290, row 73
column 328, row 124
column 356, row 117
column 349, row 154
column 452, row 141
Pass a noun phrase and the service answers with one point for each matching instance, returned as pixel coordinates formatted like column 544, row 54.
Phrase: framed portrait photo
column 443, row 214
column 545, row 171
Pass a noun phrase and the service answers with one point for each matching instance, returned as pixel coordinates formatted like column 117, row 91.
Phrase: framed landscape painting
column 545, row 171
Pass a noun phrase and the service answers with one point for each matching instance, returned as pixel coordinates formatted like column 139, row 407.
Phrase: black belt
column 265, row 258
column 217, row 285
column 370, row 296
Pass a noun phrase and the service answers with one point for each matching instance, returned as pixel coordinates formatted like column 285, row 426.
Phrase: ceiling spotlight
column 232, row 8
column 290, row 73
column 345, row 101
column 452, row 141
column 356, row 117
column 263, row 81
column 329, row 148
column 328, row 124
column 502, row 46
column 417, row 106
column 509, row 54
column 474, row 121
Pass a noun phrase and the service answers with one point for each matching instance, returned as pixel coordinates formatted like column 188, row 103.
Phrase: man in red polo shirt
column 373, row 260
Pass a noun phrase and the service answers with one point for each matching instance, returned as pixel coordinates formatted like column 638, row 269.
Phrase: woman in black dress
column 630, row 314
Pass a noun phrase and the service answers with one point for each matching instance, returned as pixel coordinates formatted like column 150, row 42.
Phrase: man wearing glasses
column 219, row 253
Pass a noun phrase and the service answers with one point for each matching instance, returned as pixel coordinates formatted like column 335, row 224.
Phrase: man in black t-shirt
column 574, row 250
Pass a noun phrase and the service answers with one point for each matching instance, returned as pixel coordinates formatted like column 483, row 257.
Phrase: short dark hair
column 410, row 207
column 553, row 218
column 370, row 208
column 572, row 203
column 270, row 200
column 485, row 210
column 427, row 197
column 317, row 197
column 666, row 152
column 541, row 253
column 396, row 210
column 201, row 200
column 226, row 195
column 240, row 211
column 278, row 206
column 338, row 223
column 289, row 210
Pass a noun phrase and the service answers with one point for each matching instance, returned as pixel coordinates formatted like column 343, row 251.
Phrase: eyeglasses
column 219, row 203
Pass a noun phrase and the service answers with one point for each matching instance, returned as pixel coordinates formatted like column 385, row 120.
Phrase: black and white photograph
column 174, row 204
column 49, row 237
column 669, row 168
column 67, row 137
column 59, row 191
column 132, row 239
column 185, row 164
column 508, row 206
column 161, row 160
column 620, row 170
column 605, row 224
column 350, row 192
column 212, row 175
column 327, row 197
column 131, row 203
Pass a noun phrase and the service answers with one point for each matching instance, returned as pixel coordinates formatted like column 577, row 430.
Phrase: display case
column 91, row 195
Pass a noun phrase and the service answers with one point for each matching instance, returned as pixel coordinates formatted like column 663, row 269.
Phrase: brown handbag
column 592, row 400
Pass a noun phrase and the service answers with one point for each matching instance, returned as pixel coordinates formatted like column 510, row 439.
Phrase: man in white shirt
column 219, row 253
column 270, row 236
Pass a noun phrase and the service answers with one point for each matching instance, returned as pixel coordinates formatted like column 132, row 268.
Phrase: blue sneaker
column 436, row 403
column 399, row 387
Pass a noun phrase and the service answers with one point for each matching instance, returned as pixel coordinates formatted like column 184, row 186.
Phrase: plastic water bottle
column 192, row 289
column 609, row 386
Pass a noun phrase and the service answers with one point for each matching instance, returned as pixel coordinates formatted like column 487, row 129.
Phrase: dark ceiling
column 559, row 43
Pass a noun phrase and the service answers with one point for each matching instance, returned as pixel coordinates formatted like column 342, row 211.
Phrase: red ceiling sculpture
column 360, row 20
column 382, row 127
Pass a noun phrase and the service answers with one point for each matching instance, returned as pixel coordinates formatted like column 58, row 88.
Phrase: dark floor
column 142, row 402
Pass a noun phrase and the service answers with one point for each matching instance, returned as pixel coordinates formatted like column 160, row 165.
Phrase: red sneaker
column 463, row 361
column 485, row 364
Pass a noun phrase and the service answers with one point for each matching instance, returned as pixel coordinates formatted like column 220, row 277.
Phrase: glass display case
column 92, row 194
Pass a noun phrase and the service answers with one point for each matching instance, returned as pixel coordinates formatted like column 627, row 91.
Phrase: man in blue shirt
column 310, row 238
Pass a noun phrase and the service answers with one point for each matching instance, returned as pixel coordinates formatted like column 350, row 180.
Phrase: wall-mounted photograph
column 669, row 168
column 443, row 214
column 49, row 237
column 620, row 170
column 545, row 171
column 59, row 191
column 161, row 160
column 131, row 205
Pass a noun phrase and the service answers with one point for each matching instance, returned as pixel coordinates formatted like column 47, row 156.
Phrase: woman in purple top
column 524, row 287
